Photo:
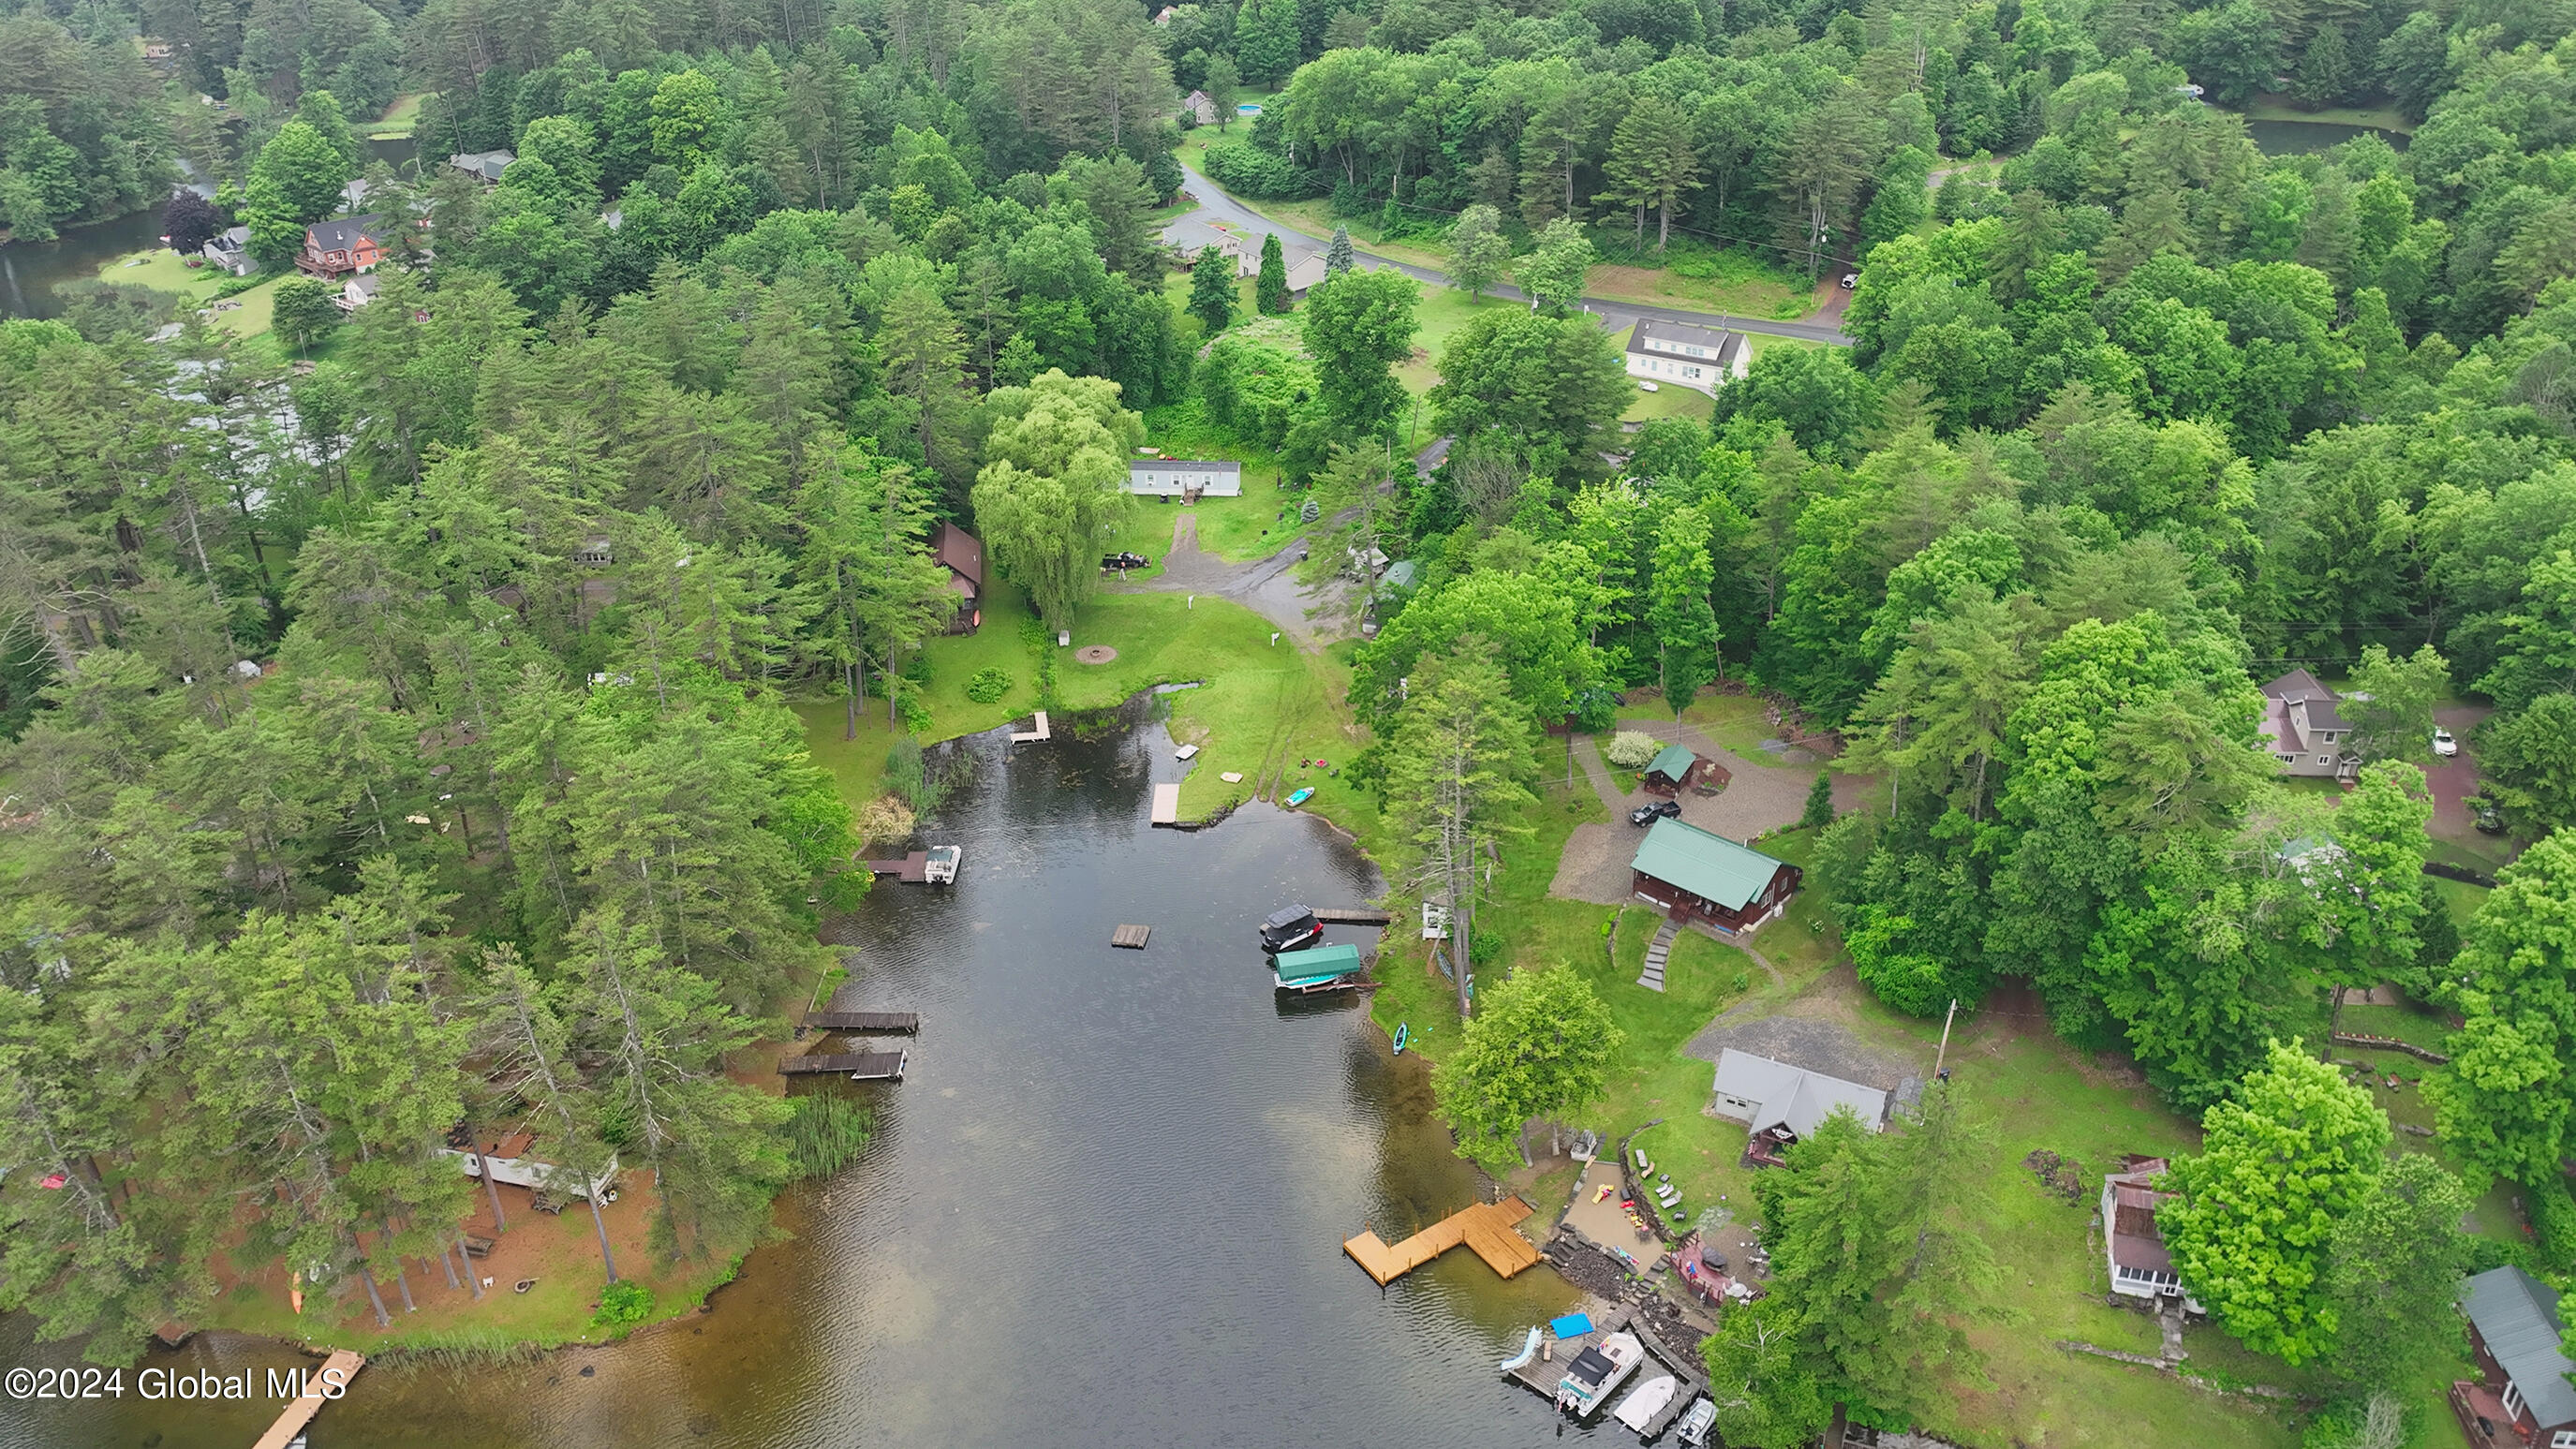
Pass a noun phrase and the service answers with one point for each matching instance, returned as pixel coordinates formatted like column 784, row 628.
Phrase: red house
column 963, row 555
column 2525, row 1401
column 337, row 248
column 1696, row 875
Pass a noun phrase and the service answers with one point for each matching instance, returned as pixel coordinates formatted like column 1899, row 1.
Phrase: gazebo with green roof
column 1694, row 874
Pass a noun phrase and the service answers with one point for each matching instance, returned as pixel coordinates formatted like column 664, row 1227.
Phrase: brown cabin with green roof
column 1675, row 767
column 1694, row 875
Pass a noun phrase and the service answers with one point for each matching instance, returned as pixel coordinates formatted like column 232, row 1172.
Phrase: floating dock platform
column 1167, row 804
column 861, row 1066
column 1350, row 916
column 1033, row 736
column 905, row 1021
column 935, row 866
column 336, row 1371
column 1487, row 1229
column 1130, row 938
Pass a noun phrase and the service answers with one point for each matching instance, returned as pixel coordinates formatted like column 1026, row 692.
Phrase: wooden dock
column 319, row 1389
column 1167, row 804
column 1130, row 938
column 1035, row 736
column 1487, row 1229
column 906, row 1021
column 913, row 869
column 1353, row 916
column 861, row 1066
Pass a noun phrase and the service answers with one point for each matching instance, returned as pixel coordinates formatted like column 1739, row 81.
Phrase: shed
column 1675, row 766
column 1694, row 874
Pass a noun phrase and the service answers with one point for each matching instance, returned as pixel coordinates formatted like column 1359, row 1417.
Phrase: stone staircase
column 1656, row 951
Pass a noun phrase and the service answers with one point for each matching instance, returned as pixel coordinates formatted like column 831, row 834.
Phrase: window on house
column 2325, row 759
column 2289, row 759
column 2563, row 1439
column 2513, row 1398
column 1690, row 372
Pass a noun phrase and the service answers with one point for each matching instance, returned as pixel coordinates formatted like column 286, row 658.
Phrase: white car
column 2444, row 743
column 1850, row 280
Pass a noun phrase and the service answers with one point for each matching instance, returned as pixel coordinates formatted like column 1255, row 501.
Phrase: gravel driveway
column 1758, row 798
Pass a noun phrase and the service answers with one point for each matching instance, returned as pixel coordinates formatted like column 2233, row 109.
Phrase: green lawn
column 162, row 270
column 398, row 121
column 1262, row 711
column 2274, row 106
column 1734, row 722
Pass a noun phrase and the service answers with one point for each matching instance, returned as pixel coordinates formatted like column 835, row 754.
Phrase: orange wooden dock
column 335, row 1372
column 1487, row 1229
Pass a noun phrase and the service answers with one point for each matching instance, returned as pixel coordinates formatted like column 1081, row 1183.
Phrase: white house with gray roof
column 1684, row 355
column 1764, row 1094
column 1186, row 479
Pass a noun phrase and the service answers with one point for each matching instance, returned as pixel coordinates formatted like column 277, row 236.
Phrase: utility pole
column 1944, row 1055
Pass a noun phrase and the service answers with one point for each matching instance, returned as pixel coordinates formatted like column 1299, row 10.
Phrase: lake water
column 1104, row 1208
column 29, row 270
column 2298, row 138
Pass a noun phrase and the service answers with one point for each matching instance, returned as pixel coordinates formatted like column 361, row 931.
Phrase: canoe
column 1304, row 793
column 1640, row 1408
column 1528, row 1351
column 1403, row 1035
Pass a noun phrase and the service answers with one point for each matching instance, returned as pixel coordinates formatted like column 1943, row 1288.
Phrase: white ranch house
column 1184, row 478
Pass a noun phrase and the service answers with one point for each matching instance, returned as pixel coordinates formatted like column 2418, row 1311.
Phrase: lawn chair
column 1643, row 1166
column 1667, row 1196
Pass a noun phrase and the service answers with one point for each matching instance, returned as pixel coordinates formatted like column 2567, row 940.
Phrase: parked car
column 1124, row 561
column 2485, row 816
column 2445, row 743
column 1654, row 810
column 1850, row 280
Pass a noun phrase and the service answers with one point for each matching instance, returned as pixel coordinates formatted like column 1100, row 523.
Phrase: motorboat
column 1529, row 1350
column 1697, row 1421
column 1300, row 796
column 1597, row 1373
column 1650, row 1400
column 1289, row 928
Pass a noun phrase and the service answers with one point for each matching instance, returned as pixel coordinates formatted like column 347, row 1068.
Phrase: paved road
column 1216, row 205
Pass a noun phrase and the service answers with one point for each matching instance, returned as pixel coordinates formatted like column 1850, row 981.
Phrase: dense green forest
column 647, row 439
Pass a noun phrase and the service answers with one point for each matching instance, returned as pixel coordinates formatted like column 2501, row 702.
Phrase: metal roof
column 2517, row 1315
column 1710, row 867
column 1673, row 762
column 1322, row 963
column 1793, row 1097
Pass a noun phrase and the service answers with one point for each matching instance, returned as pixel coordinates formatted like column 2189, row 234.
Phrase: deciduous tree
column 1539, row 1045
column 2282, row 1165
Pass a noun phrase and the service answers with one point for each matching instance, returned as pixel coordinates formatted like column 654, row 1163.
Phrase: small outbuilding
column 2133, row 1246
column 1697, row 875
column 483, row 166
column 1676, row 766
column 962, row 554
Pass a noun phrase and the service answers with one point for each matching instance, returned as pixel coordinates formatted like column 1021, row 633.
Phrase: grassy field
column 1263, row 709
column 398, row 121
column 2274, row 106
column 162, row 270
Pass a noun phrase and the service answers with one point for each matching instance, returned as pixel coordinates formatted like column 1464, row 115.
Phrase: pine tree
column 1270, row 290
column 1212, row 293
column 1337, row 255
column 1654, row 161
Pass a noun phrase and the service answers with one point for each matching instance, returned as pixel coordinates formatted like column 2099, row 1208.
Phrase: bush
column 622, row 1305
column 1250, row 171
column 989, row 684
column 827, row 1131
column 1632, row 749
column 886, row 820
column 2553, row 1224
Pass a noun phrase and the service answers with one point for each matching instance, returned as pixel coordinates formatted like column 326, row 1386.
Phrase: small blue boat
column 1403, row 1035
column 1303, row 794
column 1528, row 1351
